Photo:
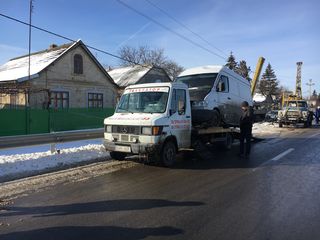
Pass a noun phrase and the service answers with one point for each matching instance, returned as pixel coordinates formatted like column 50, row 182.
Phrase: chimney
column 52, row 46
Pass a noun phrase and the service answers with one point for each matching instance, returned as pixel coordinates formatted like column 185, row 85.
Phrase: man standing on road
column 317, row 115
column 246, row 121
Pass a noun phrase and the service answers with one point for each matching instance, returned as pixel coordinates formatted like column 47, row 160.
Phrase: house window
column 59, row 99
column 95, row 100
column 78, row 64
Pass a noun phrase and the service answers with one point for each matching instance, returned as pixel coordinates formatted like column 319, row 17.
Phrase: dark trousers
column 245, row 134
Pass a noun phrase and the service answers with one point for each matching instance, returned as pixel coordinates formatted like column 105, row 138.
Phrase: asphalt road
column 273, row 195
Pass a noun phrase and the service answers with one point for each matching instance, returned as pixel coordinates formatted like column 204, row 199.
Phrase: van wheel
column 118, row 155
column 216, row 119
column 168, row 154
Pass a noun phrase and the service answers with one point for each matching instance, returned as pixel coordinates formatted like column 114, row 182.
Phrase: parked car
column 216, row 93
column 271, row 116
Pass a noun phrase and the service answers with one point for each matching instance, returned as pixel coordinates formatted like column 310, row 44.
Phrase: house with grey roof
column 66, row 76
column 137, row 74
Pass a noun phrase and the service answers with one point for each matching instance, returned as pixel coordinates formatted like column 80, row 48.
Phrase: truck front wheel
column 118, row 155
column 168, row 154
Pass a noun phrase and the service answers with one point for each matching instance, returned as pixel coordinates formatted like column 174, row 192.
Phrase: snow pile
column 265, row 129
column 36, row 160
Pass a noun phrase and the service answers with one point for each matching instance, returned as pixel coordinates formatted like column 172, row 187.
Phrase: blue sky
column 282, row 31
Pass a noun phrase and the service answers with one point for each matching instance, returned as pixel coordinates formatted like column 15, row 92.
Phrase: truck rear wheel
column 118, row 155
column 168, row 154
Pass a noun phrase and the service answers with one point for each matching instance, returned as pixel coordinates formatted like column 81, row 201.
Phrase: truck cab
column 295, row 111
column 153, row 120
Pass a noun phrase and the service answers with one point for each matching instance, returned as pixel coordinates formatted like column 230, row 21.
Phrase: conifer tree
column 231, row 62
column 269, row 84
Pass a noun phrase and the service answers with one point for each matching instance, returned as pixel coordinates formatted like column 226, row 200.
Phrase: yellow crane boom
column 256, row 74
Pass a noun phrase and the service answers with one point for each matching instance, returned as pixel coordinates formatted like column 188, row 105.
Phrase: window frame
column 227, row 89
column 55, row 100
column 77, row 64
column 175, row 102
column 95, row 100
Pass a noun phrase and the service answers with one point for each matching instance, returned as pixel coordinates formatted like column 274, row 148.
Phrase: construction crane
column 298, row 81
column 298, row 92
column 256, row 74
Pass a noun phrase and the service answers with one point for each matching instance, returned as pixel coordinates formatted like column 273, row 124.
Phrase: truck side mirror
column 181, row 107
column 172, row 111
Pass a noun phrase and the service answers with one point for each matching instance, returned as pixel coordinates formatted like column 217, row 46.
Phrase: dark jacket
column 246, row 119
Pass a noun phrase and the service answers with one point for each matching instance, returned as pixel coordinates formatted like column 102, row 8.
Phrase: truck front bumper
column 134, row 148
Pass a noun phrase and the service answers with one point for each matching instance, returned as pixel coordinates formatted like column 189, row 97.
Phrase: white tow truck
column 154, row 121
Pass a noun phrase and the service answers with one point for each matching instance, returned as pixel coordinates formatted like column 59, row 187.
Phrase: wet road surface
column 273, row 195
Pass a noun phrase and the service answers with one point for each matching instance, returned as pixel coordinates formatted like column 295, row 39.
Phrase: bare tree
column 145, row 56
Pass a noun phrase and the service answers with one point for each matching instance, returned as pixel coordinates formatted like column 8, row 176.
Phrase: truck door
column 180, row 118
column 224, row 98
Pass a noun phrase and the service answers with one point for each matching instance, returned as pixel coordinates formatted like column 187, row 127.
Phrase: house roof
column 16, row 69
column 126, row 76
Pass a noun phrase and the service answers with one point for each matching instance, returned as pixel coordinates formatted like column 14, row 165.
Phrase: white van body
column 216, row 88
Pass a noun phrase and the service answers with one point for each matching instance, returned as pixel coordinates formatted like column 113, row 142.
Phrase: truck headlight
column 108, row 128
column 155, row 130
column 146, row 130
column 304, row 113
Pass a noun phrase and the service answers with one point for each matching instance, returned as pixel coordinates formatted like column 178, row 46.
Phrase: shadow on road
column 95, row 232
column 98, row 207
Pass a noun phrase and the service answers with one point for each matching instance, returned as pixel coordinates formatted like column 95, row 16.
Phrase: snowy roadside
column 266, row 130
column 26, row 161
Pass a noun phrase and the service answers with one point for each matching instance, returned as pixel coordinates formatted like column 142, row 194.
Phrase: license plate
column 122, row 148
column 292, row 119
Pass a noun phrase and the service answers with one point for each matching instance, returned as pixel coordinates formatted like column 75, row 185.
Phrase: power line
column 72, row 40
column 184, row 26
column 169, row 29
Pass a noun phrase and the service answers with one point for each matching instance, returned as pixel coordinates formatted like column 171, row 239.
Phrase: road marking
column 316, row 134
column 281, row 155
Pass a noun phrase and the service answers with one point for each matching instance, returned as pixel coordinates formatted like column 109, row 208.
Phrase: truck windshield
column 296, row 104
column 140, row 101
column 198, row 80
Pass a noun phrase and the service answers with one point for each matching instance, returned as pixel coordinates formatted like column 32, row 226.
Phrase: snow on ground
column 265, row 130
column 39, row 158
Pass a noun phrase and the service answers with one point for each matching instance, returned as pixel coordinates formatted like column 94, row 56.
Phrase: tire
column 168, row 154
column 118, row 155
column 215, row 120
column 280, row 125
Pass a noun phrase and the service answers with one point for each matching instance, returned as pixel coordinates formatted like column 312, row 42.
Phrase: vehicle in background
column 295, row 111
column 216, row 93
column 271, row 116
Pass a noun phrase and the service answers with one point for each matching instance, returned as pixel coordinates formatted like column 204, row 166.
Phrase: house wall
column 60, row 76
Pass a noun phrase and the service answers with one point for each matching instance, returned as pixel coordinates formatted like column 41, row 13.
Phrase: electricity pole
column 310, row 84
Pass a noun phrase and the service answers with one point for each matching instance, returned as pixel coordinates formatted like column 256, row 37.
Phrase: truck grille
column 293, row 114
column 126, row 129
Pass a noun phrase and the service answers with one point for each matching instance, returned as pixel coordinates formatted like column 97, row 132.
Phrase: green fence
column 31, row 121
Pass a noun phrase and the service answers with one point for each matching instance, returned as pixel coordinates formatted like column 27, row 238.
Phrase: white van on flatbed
column 216, row 93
